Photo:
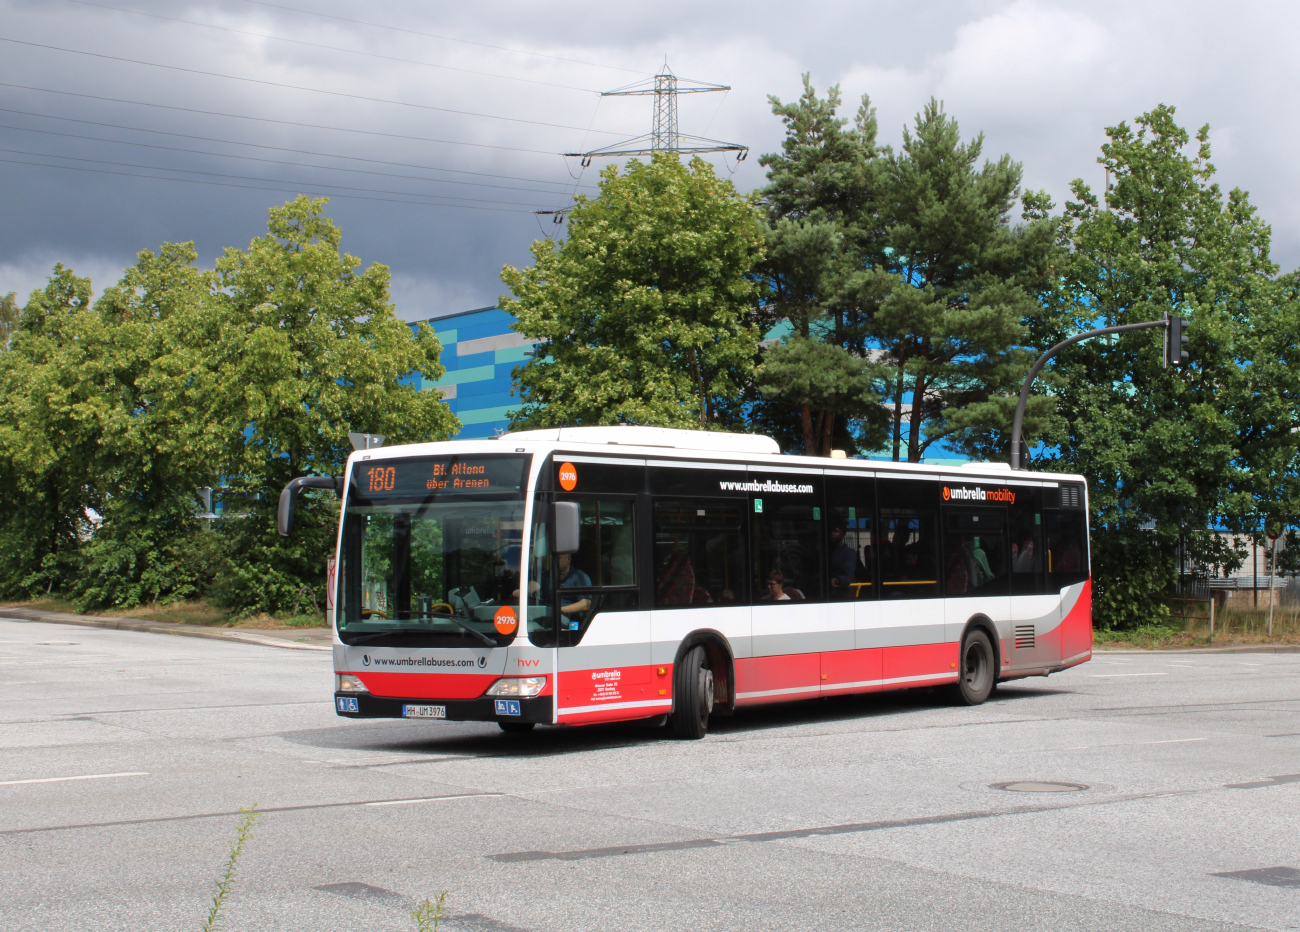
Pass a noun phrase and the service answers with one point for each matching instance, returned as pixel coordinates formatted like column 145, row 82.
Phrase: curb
column 1241, row 649
column 155, row 627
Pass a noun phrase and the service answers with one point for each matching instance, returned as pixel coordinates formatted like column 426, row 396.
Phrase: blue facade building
column 479, row 351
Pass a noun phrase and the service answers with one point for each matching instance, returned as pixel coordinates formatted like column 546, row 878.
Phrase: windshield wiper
column 362, row 639
column 487, row 641
column 478, row 634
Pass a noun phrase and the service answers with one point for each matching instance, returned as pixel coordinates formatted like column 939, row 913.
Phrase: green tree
column 1171, row 452
column 50, row 400
column 910, row 263
column 8, row 319
column 642, row 310
column 305, row 348
column 824, row 229
column 159, row 436
column 957, row 287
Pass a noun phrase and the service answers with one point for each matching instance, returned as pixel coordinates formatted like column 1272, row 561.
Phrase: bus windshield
column 431, row 549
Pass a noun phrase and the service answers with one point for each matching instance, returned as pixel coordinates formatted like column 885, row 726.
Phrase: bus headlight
column 347, row 683
column 525, row 686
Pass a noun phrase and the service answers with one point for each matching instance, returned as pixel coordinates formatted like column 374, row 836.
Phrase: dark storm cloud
column 1040, row 79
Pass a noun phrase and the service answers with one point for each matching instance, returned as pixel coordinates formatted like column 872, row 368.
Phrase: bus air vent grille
column 1024, row 637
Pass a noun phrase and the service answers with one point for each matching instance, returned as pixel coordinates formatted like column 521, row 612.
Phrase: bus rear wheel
column 516, row 727
column 692, row 695
column 977, row 675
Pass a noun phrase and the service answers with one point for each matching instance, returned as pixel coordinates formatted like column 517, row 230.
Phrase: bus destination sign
column 440, row 475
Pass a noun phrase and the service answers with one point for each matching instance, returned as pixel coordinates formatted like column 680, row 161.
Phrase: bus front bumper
column 484, row 709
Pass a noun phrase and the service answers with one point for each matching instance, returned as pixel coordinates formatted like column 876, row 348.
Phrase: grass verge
column 191, row 612
column 1233, row 627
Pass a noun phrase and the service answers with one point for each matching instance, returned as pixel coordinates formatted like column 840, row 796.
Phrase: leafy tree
column 642, row 310
column 177, row 379
column 909, row 262
column 823, row 230
column 159, row 436
column 50, row 396
column 1171, row 452
column 8, row 319
column 818, row 377
column 957, row 287
column 305, row 349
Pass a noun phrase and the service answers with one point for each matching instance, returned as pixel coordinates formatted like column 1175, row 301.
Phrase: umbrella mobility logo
column 978, row 495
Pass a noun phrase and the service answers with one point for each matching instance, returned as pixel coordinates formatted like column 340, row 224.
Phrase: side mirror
column 567, row 526
column 289, row 497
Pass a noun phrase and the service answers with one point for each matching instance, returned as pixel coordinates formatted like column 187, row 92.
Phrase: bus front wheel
column 692, row 695
column 977, row 675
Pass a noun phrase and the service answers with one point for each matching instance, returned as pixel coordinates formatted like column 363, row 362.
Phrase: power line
column 240, row 116
column 190, row 171
column 297, row 87
column 221, row 184
column 332, row 48
column 254, row 145
column 430, row 35
column 250, row 158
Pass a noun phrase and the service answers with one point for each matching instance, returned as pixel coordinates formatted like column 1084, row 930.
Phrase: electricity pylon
column 664, row 135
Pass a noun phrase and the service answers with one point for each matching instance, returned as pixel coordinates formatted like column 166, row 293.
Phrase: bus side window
column 788, row 550
column 699, row 553
column 851, row 537
column 1066, row 548
column 1027, row 562
column 975, row 552
column 909, row 539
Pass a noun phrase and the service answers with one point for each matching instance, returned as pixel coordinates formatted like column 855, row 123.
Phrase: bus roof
column 670, row 443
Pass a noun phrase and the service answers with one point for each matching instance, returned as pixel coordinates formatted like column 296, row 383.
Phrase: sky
column 437, row 128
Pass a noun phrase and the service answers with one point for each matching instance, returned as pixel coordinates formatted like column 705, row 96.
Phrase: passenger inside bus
column 845, row 568
column 778, row 591
column 675, row 583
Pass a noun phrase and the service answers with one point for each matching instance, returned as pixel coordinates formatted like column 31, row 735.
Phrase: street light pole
column 1018, row 421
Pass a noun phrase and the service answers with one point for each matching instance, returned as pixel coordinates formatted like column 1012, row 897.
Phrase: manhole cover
column 1035, row 786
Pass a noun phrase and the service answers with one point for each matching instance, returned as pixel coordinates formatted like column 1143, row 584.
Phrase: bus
column 604, row 574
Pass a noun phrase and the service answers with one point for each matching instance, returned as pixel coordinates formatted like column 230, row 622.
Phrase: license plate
column 424, row 711
column 346, row 703
column 507, row 707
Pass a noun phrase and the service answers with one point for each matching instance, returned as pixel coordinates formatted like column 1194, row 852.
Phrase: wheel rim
column 706, row 693
column 976, row 666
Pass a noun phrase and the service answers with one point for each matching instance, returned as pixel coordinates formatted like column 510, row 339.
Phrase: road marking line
column 1107, row 676
column 431, row 799
column 91, row 776
column 1136, row 744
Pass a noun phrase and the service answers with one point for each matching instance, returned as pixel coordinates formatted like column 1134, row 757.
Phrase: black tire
column 976, row 673
column 692, row 695
column 517, row 727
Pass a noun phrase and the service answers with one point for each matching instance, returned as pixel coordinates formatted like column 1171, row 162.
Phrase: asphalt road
column 867, row 813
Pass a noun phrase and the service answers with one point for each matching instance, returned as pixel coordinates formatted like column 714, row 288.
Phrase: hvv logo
column 526, row 663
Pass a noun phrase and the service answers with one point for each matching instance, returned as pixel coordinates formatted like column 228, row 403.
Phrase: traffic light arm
column 1018, row 421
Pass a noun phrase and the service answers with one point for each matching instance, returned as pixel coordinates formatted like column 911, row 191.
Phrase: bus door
column 975, row 568
column 593, row 596
column 697, row 563
column 909, row 615
column 793, row 625
column 851, row 555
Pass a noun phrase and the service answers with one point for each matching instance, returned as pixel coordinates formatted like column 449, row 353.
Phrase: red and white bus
column 605, row 574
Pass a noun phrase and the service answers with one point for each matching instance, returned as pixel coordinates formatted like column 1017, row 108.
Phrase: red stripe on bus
column 1076, row 629
column 582, row 688
column 920, row 660
column 427, row 685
